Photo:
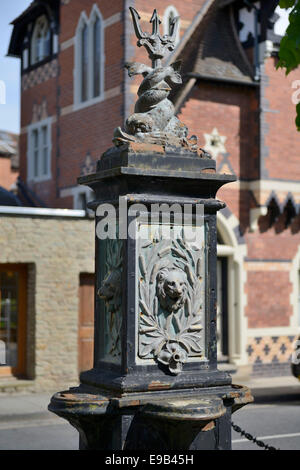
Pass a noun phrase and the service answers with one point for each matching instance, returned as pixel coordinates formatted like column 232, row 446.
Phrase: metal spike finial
column 156, row 45
column 155, row 23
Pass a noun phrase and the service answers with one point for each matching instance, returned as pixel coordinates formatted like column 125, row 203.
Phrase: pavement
column 18, row 407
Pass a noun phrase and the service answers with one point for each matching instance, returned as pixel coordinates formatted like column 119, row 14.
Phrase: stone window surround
column 237, row 278
column 33, row 127
column 168, row 11
column 76, row 192
column 89, row 21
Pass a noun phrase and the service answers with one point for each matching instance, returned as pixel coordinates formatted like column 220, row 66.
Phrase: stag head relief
column 111, row 292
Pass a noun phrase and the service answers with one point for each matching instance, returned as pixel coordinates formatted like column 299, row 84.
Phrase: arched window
column 84, row 63
column 96, row 29
column 170, row 22
column 169, row 15
column 89, row 58
column 25, row 53
column 41, row 40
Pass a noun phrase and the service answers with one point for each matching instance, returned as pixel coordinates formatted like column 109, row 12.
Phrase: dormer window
column 35, row 37
column 41, row 40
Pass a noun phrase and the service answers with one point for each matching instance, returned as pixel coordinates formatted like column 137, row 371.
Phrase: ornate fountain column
column 155, row 383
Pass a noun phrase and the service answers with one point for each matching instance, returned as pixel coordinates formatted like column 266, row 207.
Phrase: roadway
column 273, row 418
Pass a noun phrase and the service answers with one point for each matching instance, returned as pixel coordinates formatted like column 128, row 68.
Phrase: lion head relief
column 171, row 289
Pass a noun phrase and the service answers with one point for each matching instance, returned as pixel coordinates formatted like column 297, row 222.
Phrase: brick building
column 75, row 91
column 9, row 160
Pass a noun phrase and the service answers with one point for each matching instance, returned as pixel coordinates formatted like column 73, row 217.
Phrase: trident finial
column 155, row 23
column 155, row 44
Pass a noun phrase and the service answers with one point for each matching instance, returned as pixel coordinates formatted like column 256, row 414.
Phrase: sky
column 10, row 67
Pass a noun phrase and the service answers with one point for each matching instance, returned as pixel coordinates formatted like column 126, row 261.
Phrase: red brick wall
column 282, row 139
column 7, row 176
column 35, row 95
column 86, row 131
column 89, row 130
column 70, row 13
column 268, row 296
column 269, row 289
column 31, row 98
column 233, row 111
column 187, row 11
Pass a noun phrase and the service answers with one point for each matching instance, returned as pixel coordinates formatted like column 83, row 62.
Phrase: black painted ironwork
column 155, row 384
column 251, row 438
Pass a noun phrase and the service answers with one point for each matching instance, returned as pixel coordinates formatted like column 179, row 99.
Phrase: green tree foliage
column 289, row 53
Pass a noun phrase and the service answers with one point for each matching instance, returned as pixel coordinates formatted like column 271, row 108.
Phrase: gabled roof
column 224, row 3
column 35, row 9
column 25, row 13
column 220, row 53
column 211, row 50
column 9, row 147
column 7, row 198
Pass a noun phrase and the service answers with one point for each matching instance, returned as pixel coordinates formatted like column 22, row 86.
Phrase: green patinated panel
column 111, row 255
column 171, row 295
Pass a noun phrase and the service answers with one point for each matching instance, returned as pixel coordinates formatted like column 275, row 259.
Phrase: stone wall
column 56, row 250
column 76, row 132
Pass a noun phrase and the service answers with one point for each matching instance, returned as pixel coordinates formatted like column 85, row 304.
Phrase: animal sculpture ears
column 135, row 68
column 175, row 77
column 177, row 65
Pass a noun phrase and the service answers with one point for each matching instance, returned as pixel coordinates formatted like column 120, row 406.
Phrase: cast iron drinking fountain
column 155, row 384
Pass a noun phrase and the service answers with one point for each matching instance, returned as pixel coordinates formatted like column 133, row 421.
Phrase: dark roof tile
column 219, row 53
column 8, row 198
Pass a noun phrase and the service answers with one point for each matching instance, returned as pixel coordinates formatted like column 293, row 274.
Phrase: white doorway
column 231, row 297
